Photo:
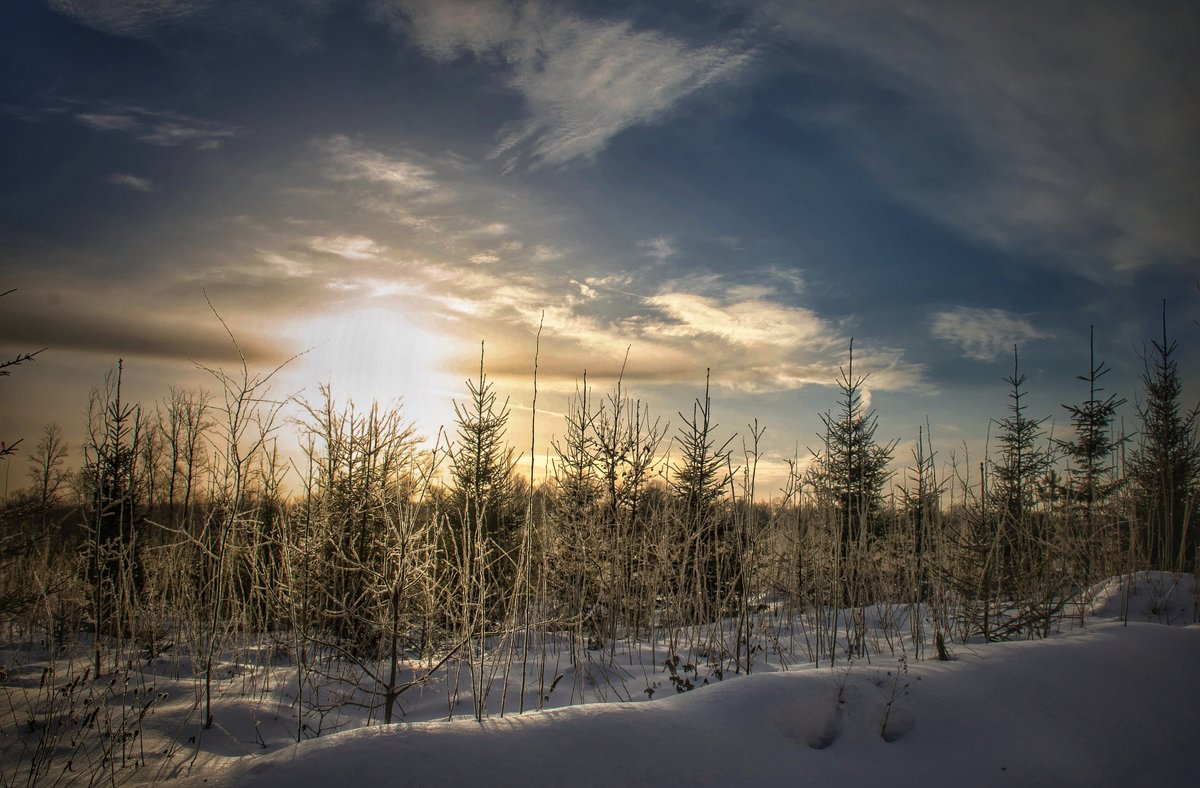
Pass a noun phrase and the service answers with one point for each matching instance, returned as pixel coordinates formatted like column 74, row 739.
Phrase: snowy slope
column 1112, row 705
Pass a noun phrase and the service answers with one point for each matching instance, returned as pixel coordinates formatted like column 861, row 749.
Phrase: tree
column 853, row 469
column 46, row 474
column 698, row 485
column 1090, row 477
column 602, row 469
column 921, row 499
column 1021, row 463
column 1165, row 465
column 481, row 465
column 115, row 506
column 362, row 461
column 184, row 422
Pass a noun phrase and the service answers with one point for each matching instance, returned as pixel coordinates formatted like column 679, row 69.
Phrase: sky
column 663, row 187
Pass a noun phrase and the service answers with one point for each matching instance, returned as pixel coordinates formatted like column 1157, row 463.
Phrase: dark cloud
column 73, row 321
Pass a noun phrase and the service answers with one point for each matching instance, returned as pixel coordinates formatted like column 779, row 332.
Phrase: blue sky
column 735, row 185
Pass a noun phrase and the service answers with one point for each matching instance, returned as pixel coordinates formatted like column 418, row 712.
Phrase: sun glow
column 380, row 355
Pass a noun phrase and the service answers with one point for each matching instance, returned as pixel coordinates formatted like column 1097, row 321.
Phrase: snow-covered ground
column 1103, row 703
column 1114, row 705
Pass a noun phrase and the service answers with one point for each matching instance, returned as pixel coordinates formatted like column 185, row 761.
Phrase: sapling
column 892, row 690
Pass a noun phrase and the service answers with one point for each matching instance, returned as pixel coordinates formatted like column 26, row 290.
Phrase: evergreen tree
column 698, row 484
column 699, row 480
column 574, row 468
column 1022, row 463
column 1165, row 465
column 1013, row 534
column 481, row 465
column 853, row 469
column 115, row 504
column 1090, row 477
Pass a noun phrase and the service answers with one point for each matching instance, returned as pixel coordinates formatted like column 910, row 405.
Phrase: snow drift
column 1112, row 705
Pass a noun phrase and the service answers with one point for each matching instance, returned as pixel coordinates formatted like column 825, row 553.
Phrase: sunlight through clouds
column 374, row 353
column 756, row 344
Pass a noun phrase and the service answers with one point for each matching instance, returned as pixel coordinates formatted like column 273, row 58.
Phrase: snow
column 1113, row 699
column 1161, row 597
column 1108, row 704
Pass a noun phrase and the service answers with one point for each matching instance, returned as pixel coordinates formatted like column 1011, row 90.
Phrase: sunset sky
column 741, row 186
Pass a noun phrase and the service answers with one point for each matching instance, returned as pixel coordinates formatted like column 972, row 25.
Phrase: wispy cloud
column 137, row 19
column 353, row 161
column 657, row 249
column 107, row 122
column 1029, row 125
column 349, row 247
column 164, row 128
column 983, row 334
column 584, row 80
column 128, row 181
column 292, row 22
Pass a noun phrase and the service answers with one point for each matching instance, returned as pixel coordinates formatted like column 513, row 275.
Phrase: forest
column 184, row 555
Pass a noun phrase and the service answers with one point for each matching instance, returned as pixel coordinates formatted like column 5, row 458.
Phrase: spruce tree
column 1017, row 473
column 698, row 484
column 1021, row 463
column 1090, row 477
column 853, row 469
column 481, row 465
column 1165, row 465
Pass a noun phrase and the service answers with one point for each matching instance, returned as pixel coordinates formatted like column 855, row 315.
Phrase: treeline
column 176, row 533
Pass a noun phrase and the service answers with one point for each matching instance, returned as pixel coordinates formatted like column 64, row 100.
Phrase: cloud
column 106, row 122
column 983, row 334
column 69, row 318
column 583, row 80
column 166, row 129
column 284, row 266
column 347, row 246
column 352, row 161
column 753, row 343
column 763, row 345
column 293, row 22
column 137, row 19
column 1066, row 129
column 657, row 249
column 131, row 182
